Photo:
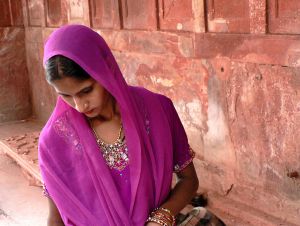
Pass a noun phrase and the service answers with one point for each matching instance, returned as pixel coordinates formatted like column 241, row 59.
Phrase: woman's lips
column 89, row 112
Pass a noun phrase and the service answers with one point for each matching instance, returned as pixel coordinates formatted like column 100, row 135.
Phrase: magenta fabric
column 74, row 171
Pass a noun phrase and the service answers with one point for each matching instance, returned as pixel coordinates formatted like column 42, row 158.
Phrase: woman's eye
column 64, row 95
column 87, row 90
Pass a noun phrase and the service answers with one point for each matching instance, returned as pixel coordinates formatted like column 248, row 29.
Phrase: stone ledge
column 234, row 213
column 261, row 49
column 25, row 157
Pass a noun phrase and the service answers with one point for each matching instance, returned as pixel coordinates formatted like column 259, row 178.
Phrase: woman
column 108, row 151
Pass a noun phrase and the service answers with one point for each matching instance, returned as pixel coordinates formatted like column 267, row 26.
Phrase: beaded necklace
column 115, row 154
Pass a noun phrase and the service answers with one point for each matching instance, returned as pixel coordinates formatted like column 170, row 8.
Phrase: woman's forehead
column 71, row 86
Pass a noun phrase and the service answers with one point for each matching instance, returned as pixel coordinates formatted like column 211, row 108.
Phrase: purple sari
column 85, row 190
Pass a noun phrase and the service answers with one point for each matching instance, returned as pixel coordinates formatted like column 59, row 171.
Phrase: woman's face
column 87, row 97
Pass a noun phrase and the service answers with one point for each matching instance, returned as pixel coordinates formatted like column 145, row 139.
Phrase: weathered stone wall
column 232, row 70
column 14, row 84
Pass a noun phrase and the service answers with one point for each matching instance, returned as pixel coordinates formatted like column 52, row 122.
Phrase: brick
column 105, row 14
column 284, row 16
column 141, row 15
column 234, row 18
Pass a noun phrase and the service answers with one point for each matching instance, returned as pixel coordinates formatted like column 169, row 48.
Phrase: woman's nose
column 79, row 104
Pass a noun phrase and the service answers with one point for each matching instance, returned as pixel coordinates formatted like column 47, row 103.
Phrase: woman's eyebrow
column 64, row 94
column 87, row 87
column 82, row 90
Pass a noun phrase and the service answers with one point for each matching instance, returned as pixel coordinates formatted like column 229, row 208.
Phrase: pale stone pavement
column 20, row 203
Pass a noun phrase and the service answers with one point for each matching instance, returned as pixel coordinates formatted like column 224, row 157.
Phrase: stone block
column 35, row 12
column 250, row 133
column 150, row 42
column 56, row 12
column 5, row 13
column 14, row 85
column 11, row 13
column 34, row 35
column 181, row 15
column 11, row 34
column 263, row 116
column 141, row 15
column 276, row 49
column 78, row 12
column 284, row 16
column 105, row 14
column 43, row 96
column 228, row 16
column 17, row 12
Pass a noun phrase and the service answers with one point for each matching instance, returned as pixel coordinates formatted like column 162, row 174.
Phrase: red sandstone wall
column 232, row 70
column 14, row 85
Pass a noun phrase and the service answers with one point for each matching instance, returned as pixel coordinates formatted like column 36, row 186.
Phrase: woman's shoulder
column 57, row 125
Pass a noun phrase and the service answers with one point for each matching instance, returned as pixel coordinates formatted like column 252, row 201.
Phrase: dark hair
column 58, row 67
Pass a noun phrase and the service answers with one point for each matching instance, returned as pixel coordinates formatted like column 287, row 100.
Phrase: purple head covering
column 74, row 171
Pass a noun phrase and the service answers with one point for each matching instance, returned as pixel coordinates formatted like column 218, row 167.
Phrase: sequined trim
column 178, row 168
column 45, row 191
column 65, row 130
column 147, row 121
column 115, row 155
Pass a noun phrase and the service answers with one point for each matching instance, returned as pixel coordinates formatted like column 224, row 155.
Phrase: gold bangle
column 162, row 216
column 158, row 221
column 168, row 212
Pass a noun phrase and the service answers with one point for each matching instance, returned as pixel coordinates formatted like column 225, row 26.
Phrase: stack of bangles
column 162, row 216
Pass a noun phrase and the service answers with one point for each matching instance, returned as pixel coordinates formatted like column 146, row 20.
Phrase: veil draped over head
column 73, row 169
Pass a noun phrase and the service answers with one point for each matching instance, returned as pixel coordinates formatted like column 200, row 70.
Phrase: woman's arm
column 54, row 218
column 184, row 190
